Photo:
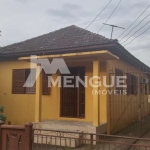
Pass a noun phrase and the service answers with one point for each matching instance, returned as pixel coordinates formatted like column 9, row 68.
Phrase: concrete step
column 66, row 139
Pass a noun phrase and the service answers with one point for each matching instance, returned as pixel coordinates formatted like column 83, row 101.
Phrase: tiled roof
column 65, row 38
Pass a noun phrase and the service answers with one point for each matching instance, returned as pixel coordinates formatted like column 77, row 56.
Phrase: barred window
column 132, row 84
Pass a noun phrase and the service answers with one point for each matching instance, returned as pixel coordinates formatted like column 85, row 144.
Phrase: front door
column 73, row 98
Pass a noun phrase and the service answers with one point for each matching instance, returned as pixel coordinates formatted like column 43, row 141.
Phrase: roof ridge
column 92, row 32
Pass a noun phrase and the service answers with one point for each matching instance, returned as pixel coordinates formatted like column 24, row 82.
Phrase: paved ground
column 137, row 129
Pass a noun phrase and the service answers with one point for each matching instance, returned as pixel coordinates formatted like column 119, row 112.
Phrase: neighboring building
column 85, row 53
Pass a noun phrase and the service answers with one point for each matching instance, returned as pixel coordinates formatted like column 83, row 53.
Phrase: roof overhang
column 101, row 55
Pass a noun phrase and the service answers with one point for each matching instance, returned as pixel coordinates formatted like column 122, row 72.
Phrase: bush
column 2, row 116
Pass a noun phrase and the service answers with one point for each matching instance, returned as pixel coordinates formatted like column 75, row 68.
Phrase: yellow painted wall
column 19, row 108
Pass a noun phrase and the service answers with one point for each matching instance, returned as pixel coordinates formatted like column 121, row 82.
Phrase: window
column 144, row 86
column 19, row 76
column 119, row 72
column 132, row 84
column 146, row 89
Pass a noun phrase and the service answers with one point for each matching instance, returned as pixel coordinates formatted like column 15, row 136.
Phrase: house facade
column 85, row 54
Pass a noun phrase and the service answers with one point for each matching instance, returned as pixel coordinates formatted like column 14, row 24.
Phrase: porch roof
column 102, row 55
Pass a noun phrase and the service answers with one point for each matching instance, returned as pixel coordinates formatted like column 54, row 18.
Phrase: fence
column 16, row 137
column 25, row 138
column 65, row 140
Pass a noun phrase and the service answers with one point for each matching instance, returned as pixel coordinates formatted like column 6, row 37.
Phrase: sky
column 25, row 19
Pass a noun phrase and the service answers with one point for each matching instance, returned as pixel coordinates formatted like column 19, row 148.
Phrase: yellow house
column 86, row 54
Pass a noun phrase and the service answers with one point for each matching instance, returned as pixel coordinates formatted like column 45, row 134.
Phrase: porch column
column 95, row 95
column 38, row 94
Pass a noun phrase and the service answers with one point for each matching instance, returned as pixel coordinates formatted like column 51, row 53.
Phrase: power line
column 135, row 27
column 137, row 36
column 98, row 14
column 136, row 32
column 113, row 26
column 88, row 21
column 110, row 15
column 133, row 22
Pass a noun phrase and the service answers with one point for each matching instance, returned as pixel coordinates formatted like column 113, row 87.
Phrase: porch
column 90, row 115
column 73, row 126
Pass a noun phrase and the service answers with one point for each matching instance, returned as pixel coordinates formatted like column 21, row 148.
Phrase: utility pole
column 113, row 26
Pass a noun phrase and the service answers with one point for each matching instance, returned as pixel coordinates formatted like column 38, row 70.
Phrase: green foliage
column 2, row 116
column 67, row 148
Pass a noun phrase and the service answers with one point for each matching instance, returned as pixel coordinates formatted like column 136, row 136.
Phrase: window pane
column 31, row 78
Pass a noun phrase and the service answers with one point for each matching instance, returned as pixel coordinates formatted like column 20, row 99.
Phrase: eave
column 102, row 55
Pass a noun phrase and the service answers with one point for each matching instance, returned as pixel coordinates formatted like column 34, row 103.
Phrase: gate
column 16, row 137
column 130, row 108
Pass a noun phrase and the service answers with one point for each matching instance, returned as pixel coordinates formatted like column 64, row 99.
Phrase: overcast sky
column 24, row 19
